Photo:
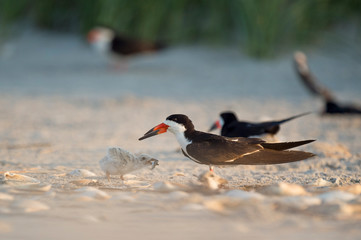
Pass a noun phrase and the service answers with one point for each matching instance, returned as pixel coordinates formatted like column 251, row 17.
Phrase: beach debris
column 120, row 162
column 81, row 173
column 29, row 206
column 336, row 197
column 284, row 189
column 211, row 180
column 6, row 197
column 16, row 179
column 25, row 183
column 91, row 193
column 320, row 182
column 244, row 195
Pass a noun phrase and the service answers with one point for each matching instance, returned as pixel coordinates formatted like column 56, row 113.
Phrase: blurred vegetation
column 260, row 27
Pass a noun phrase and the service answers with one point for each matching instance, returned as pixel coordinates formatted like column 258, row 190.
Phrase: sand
column 62, row 106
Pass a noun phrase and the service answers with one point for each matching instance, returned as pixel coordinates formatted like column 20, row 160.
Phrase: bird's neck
column 182, row 139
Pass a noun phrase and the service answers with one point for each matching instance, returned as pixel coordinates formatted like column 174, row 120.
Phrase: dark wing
column 217, row 150
column 127, row 46
column 221, row 150
column 242, row 129
column 268, row 156
column 230, row 130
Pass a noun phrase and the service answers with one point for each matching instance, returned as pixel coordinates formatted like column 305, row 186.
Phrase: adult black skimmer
column 231, row 127
column 210, row 149
column 106, row 40
column 332, row 106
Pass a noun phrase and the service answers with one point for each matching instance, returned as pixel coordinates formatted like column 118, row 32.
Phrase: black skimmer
column 231, row 127
column 210, row 149
column 332, row 106
column 120, row 162
column 106, row 40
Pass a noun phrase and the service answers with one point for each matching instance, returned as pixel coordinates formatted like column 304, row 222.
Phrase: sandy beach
column 62, row 106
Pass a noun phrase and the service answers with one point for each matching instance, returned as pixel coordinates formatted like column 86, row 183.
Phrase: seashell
column 212, row 181
column 320, row 182
column 91, row 193
column 6, row 197
column 30, row 206
column 81, row 173
column 337, row 197
column 120, row 162
column 244, row 195
column 14, row 179
column 284, row 189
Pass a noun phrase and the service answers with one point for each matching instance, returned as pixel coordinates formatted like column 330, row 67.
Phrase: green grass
column 260, row 27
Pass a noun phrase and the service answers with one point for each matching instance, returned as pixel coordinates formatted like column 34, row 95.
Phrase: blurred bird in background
column 107, row 41
column 331, row 104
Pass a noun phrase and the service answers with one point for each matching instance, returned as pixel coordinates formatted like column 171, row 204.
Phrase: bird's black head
column 181, row 119
column 228, row 117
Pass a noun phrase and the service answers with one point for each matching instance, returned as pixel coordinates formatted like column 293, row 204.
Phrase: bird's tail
column 273, row 127
column 285, row 145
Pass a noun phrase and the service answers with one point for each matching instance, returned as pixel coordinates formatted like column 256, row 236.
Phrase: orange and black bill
column 159, row 129
column 216, row 125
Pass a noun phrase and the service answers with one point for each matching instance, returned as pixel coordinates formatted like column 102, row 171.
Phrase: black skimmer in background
column 106, row 41
column 332, row 106
column 210, row 149
column 231, row 127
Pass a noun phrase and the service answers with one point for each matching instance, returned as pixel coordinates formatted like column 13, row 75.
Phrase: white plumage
column 119, row 162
